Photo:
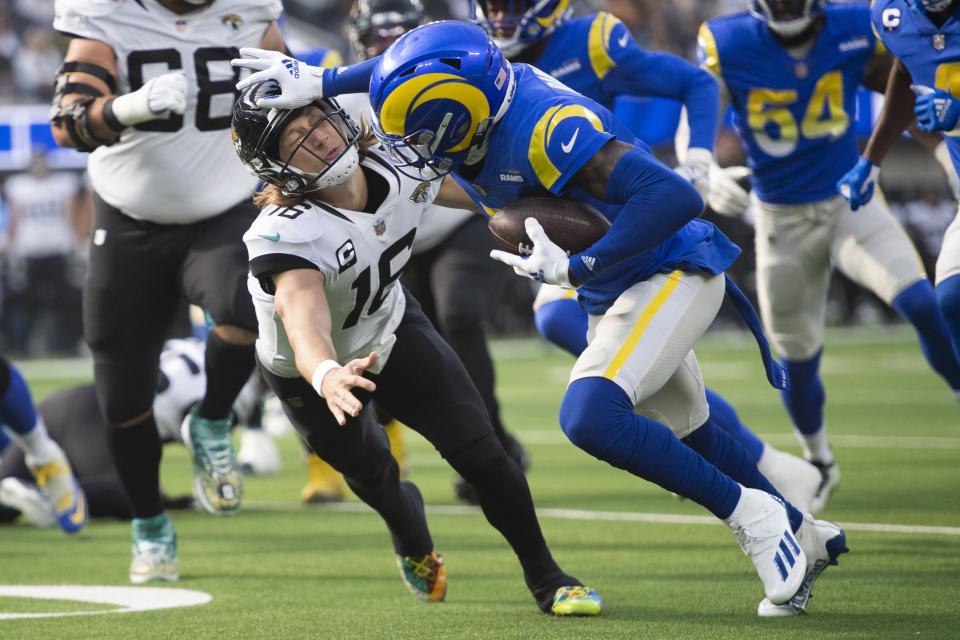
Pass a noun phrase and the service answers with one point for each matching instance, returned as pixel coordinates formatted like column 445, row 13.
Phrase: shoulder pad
column 86, row 8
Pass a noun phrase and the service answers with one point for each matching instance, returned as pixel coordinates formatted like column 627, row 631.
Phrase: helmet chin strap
column 341, row 170
column 791, row 28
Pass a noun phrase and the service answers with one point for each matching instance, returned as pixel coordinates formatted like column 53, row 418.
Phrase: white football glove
column 299, row 83
column 726, row 197
column 547, row 264
column 695, row 169
column 156, row 99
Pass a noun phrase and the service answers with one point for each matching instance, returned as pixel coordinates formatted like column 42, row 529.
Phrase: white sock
column 815, row 446
column 763, row 460
column 36, row 445
column 743, row 508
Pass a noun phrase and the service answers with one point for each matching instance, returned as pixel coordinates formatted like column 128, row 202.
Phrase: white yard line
column 605, row 516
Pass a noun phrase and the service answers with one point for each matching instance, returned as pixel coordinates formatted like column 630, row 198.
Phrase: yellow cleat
column 425, row 576
column 398, row 444
column 324, row 483
column 576, row 601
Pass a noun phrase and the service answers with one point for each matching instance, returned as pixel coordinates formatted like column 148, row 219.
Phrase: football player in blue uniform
column 47, row 462
column 595, row 55
column 790, row 69
column 926, row 44
column 445, row 101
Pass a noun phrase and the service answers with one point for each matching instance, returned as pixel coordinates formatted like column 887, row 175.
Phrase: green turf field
column 279, row 570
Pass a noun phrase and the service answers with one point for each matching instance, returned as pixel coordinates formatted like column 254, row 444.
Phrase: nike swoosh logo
column 622, row 41
column 272, row 238
column 568, row 146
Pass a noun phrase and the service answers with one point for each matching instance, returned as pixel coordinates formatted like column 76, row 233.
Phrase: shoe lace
column 221, row 458
column 425, row 567
column 217, row 454
column 744, row 539
column 573, row 592
column 152, row 551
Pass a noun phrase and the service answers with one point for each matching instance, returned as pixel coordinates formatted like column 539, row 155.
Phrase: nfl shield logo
column 380, row 226
column 181, row 26
column 939, row 42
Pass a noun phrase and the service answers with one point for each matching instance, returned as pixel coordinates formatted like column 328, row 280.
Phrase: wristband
column 320, row 373
column 110, row 118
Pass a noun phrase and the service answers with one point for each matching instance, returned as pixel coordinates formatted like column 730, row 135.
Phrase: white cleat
column 762, row 529
column 274, row 420
column 829, row 480
column 258, row 455
column 796, row 479
column 154, row 550
column 823, row 542
column 32, row 504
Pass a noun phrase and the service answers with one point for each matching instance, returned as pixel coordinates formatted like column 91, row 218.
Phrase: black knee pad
column 364, row 465
column 477, row 459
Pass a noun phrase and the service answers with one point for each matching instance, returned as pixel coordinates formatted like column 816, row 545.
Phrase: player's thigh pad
column 550, row 293
column 793, row 273
column 214, row 272
column 872, row 249
column 645, row 340
column 948, row 263
column 129, row 298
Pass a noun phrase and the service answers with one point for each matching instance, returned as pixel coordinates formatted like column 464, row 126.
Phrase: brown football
column 573, row 226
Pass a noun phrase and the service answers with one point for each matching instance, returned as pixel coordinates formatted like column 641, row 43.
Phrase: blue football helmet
column 435, row 93
column 787, row 18
column 514, row 25
column 933, row 6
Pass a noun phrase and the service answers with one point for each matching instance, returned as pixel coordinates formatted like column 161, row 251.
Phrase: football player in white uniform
column 74, row 420
column 450, row 273
column 337, row 227
column 147, row 88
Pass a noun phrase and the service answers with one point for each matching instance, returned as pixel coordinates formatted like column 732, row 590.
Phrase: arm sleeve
column 656, row 73
column 657, row 202
column 352, row 79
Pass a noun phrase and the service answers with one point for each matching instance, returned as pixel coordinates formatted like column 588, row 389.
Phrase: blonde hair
column 273, row 195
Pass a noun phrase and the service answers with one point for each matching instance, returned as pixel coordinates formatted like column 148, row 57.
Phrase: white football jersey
column 178, row 169
column 361, row 256
column 43, row 204
column 438, row 222
column 183, row 383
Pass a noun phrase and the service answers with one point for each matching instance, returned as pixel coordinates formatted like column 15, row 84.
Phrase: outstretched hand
column 299, row 83
column 338, row 384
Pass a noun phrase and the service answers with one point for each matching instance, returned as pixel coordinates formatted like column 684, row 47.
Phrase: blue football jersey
column 930, row 54
column 546, row 136
column 583, row 51
column 794, row 115
column 596, row 55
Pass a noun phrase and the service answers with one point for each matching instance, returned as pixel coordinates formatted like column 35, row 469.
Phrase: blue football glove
column 936, row 110
column 857, row 185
